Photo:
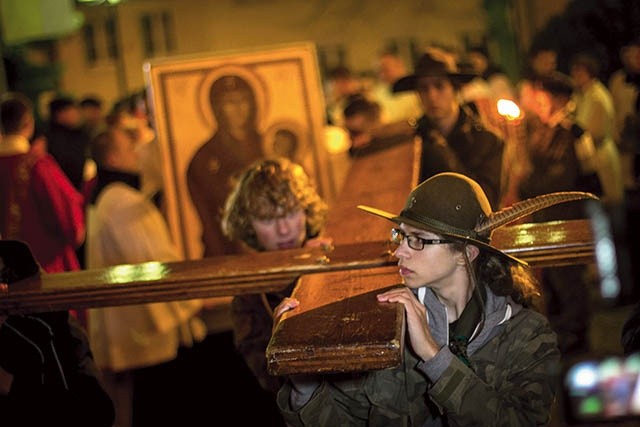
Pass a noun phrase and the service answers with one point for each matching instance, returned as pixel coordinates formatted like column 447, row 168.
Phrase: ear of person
column 472, row 251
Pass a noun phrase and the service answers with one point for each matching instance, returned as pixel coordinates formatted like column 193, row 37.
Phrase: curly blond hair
column 271, row 188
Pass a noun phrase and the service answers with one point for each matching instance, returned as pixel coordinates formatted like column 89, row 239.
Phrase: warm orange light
column 508, row 109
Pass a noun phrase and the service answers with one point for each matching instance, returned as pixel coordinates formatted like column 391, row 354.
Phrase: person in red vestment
column 38, row 203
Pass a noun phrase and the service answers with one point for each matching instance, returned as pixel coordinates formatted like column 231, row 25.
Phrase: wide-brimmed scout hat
column 453, row 205
column 433, row 64
column 16, row 261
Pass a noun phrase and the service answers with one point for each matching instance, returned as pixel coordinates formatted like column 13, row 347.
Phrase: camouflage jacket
column 512, row 380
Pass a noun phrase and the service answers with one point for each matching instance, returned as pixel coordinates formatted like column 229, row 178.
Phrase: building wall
column 531, row 15
column 354, row 30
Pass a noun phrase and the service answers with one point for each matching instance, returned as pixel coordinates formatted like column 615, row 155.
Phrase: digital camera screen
column 603, row 390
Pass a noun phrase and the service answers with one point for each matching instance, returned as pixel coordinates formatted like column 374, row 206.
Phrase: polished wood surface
column 544, row 244
column 208, row 277
column 547, row 244
column 339, row 325
column 381, row 179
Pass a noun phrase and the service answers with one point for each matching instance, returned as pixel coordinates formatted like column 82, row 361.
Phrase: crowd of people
column 605, row 109
column 84, row 190
column 572, row 132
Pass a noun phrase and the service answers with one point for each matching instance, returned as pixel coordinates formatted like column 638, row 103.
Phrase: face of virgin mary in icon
column 233, row 103
column 236, row 107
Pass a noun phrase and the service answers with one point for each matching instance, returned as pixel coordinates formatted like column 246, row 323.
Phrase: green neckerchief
column 460, row 330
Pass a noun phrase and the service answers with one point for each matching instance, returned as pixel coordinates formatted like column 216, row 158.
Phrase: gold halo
column 294, row 127
column 256, row 83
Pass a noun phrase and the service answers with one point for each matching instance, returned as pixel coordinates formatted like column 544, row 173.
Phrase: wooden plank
column 547, row 244
column 382, row 179
column 544, row 244
column 209, row 277
column 339, row 325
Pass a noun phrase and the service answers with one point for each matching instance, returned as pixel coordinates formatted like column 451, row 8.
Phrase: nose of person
column 402, row 250
column 282, row 226
column 432, row 94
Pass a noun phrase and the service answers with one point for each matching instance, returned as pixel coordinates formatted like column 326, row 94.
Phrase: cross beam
column 542, row 244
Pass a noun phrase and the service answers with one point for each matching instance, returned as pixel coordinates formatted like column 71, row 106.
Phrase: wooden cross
column 358, row 265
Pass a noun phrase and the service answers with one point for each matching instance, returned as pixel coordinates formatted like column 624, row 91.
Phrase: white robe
column 124, row 227
column 595, row 114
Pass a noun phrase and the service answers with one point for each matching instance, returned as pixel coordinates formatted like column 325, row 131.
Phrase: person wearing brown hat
column 453, row 138
column 477, row 351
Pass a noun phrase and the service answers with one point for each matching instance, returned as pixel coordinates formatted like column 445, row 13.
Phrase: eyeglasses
column 414, row 242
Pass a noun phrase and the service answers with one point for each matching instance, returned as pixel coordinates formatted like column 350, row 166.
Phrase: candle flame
column 508, row 109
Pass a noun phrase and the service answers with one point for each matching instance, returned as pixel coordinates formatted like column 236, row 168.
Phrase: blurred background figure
column 92, row 112
column 131, row 342
column 624, row 84
column 595, row 114
column 67, row 140
column 562, row 158
column 478, row 94
column 361, row 118
column 341, row 84
column 131, row 114
column 394, row 106
column 481, row 63
column 38, row 203
column 541, row 61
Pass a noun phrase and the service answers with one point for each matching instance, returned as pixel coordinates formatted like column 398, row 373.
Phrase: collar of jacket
column 107, row 176
column 466, row 121
column 497, row 310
